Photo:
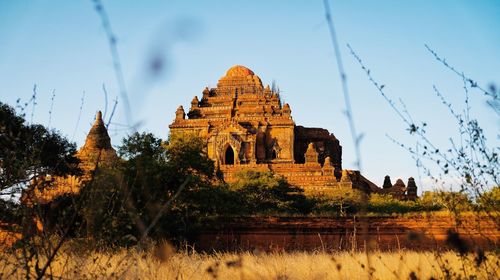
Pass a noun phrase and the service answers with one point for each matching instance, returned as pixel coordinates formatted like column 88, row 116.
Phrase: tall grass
column 163, row 263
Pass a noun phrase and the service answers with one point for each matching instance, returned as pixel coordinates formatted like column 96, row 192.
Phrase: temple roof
column 239, row 77
column 239, row 71
column 98, row 137
column 97, row 149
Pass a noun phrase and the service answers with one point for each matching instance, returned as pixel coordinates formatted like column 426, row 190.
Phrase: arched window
column 229, row 156
column 274, row 155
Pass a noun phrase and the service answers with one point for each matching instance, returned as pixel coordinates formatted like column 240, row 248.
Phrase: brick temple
column 247, row 126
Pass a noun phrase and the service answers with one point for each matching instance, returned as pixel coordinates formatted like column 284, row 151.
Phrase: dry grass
column 165, row 264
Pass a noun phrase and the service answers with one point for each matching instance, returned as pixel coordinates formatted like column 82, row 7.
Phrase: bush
column 30, row 151
column 264, row 192
column 341, row 201
column 490, row 200
column 451, row 201
column 388, row 205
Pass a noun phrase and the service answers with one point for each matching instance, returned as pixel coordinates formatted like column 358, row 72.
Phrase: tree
column 187, row 155
column 489, row 200
column 452, row 201
column 30, row 151
column 341, row 200
column 153, row 192
column 265, row 191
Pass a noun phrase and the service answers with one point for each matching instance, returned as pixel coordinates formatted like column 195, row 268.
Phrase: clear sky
column 61, row 45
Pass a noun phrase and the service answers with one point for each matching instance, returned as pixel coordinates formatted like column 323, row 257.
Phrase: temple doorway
column 229, row 156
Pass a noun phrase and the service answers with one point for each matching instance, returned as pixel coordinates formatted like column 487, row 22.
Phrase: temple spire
column 98, row 137
column 97, row 150
column 98, row 117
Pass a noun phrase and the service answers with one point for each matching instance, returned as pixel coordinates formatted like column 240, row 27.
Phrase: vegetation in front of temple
column 168, row 188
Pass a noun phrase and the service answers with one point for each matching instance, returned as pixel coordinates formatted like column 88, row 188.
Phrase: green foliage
column 119, row 205
column 344, row 200
column 265, row 192
column 489, row 200
column 451, row 201
column 341, row 201
column 187, row 155
column 9, row 211
column 387, row 204
column 28, row 151
column 104, row 206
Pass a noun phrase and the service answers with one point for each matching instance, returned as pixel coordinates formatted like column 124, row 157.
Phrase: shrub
column 341, row 200
column 266, row 192
column 451, row 201
column 490, row 200
column 386, row 204
column 30, row 151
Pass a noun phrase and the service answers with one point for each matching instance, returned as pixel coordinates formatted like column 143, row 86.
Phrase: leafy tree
column 30, row 151
column 187, row 155
column 265, row 191
column 451, row 201
column 9, row 211
column 102, row 205
column 341, row 200
column 490, row 200
column 384, row 203
column 155, row 191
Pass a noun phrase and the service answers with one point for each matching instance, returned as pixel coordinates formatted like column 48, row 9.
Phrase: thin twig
column 350, row 119
column 105, row 101
column 343, row 78
column 112, row 113
column 112, row 41
column 472, row 83
column 51, row 106
column 33, row 100
column 79, row 116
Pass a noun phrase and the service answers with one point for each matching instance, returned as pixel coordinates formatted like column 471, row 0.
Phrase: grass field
column 163, row 263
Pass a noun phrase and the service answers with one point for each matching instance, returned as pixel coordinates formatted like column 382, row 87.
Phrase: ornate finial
column 98, row 119
column 180, row 114
column 345, row 176
column 98, row 116
column 411, row 189
column 400, row 184
column 286, row 109
column 267, row 90
column 387, row 182
column 195, row 101
column 311, row 155
column 206, row 93
column 328, row 161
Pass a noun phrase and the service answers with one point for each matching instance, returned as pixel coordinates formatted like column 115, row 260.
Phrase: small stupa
column 97, row 150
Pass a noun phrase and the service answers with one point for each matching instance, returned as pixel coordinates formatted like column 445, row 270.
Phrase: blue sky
column 61, row 46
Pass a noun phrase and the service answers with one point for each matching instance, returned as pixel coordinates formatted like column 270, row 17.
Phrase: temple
column 247, row 126
column 97, row 152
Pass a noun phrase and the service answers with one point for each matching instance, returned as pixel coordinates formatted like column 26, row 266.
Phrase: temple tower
column 411, row 189
column 97, row 150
